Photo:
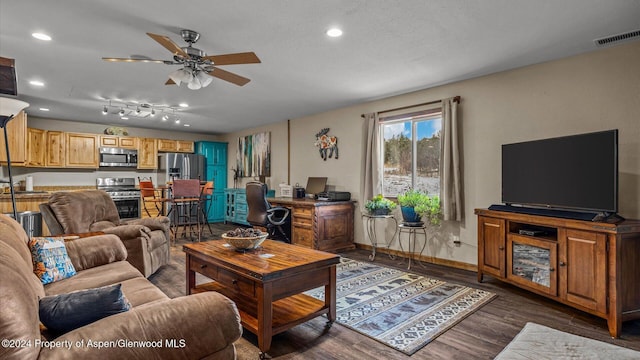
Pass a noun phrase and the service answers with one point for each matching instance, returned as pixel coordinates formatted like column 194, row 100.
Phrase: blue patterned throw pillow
column 50, row 259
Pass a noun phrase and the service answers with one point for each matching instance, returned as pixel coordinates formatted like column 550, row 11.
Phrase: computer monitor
column 315, row 185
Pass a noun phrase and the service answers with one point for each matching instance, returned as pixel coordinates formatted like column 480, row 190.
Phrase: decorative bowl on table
column 244, row 239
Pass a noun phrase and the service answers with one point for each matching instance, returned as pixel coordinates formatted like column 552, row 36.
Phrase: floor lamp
column 8, row 109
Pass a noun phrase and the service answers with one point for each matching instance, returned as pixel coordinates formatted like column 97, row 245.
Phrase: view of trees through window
column 411, row 151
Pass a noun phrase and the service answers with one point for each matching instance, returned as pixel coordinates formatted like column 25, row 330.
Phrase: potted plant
column 416, row 204
column 430, row 210
column 379, row 205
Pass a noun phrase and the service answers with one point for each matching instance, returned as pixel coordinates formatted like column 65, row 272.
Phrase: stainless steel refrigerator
column 181, row 166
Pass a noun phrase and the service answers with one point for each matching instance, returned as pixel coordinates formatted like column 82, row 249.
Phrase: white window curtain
column 370, row 183
column 450, row 180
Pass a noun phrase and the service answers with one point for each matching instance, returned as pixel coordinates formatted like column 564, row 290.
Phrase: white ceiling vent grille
column 615, row 39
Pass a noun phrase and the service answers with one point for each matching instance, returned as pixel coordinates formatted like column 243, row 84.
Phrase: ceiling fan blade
column 231, row 59
column 168, row 44
column 229, row 76
column 170, row 82
column 133, row 60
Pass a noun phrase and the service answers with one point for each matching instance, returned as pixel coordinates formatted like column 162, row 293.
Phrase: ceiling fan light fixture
column 165, row 118
column 181, row 75
column 194, row 83
column 105, row 110
column 121, row 112
column 204, row 78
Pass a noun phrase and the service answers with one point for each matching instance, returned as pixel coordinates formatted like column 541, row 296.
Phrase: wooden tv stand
column 591, row 266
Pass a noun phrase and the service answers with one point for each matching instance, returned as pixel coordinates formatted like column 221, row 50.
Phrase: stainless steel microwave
column 118, row 157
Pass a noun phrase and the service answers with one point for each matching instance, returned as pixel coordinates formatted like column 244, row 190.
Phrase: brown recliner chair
column 147, row 240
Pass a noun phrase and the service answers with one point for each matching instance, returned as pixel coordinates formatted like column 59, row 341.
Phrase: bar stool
column 206, row 194
column 185, row 195
column 149, row 195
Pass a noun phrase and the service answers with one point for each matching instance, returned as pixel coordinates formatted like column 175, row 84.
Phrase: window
column 411, row 152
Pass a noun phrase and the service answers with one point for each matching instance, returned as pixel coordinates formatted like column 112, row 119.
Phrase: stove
column 124, row 193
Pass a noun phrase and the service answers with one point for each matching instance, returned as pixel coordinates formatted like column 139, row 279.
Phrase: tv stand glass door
column 531, row 263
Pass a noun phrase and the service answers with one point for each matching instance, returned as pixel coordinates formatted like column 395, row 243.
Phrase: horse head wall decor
column 326, row 144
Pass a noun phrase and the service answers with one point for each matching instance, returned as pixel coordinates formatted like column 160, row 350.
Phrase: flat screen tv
column 578, row 172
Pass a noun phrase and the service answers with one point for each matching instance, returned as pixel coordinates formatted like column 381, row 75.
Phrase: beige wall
column 591, row 92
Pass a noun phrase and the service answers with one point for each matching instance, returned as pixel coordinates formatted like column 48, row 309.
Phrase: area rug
column 540, row 343
column 402, row 310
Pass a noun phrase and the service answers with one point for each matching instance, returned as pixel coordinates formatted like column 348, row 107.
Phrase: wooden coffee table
column 267, row 283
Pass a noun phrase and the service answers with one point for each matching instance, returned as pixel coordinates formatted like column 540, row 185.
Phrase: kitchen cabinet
column 166, row 145
column 17, row 138
column 55, row 149
column 589, row 265
column 36, row 147
column 125, row 142
column 81, row 150
column 184, row 146
column 147, row 153
column 216, row 160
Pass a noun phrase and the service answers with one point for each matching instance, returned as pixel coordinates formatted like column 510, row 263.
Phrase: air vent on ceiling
column 615, row 39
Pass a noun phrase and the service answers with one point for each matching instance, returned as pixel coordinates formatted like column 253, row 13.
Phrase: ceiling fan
column 197, row 67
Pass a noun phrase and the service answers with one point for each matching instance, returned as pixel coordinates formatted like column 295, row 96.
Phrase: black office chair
column 261, row 213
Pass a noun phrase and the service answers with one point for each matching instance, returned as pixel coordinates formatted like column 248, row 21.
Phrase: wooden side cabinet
column 320, row 225
column 588, row 265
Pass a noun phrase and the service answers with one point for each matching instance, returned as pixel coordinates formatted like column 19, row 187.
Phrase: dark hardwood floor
column 482, row 335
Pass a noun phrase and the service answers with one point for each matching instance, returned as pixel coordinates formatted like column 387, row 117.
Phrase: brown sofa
column 203, row 326
column 147, row 240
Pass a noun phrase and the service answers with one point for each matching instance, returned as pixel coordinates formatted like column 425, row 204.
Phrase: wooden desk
column 320, row 225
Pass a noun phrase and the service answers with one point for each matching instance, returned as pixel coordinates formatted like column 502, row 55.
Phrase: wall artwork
column 253, row 156
column 326, row 144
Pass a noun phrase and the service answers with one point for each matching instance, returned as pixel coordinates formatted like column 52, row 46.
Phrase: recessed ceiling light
column 36, row 83
column 334, row 32
column 41, row 36
column 124, row 118
column 183, row 105
column 44, row 109
column 187, row 125
column 177, row 121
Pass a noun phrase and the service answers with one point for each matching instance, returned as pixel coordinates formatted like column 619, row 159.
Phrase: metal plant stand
column 411, row 245
column 370, row 225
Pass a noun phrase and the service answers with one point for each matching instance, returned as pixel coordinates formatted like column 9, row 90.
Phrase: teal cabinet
column 216, row 155
column 236, row 206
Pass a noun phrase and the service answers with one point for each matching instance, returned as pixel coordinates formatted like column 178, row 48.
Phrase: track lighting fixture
column 141, row 110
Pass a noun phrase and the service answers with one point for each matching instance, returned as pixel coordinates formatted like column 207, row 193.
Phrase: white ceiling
column 388, row 48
